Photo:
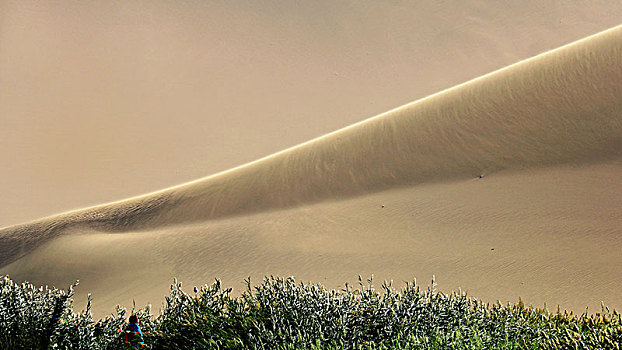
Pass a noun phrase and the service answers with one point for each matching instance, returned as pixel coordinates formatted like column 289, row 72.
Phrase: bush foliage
column 279, row 313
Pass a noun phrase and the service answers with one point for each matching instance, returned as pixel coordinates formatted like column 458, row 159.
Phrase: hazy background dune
column 505, row 186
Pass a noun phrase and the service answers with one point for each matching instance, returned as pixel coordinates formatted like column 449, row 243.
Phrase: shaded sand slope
column 546, row 133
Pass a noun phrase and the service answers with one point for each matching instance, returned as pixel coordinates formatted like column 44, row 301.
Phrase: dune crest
column 560, row 107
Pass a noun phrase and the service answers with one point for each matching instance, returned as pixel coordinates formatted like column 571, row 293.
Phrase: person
column 133, row 334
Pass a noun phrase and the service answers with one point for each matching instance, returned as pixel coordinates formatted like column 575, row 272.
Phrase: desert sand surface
column 504, row 186
column 101, row 101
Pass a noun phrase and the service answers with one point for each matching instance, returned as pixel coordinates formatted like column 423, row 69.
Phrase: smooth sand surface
column 555, row 234
column 504, row 186
column 101, row 101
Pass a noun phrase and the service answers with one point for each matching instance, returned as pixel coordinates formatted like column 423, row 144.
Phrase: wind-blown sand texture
column 505, row 186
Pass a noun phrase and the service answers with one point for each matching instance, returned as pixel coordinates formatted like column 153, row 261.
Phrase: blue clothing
column 133, row 334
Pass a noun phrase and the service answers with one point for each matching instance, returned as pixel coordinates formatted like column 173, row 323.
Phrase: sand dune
column 101, row 101
column 524, row 160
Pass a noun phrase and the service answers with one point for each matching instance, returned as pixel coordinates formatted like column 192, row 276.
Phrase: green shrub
column 279, row 313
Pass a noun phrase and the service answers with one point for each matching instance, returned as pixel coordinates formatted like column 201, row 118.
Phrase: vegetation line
column 280, row 313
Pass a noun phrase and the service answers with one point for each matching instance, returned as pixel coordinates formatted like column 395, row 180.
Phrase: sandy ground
column 504, row 186
column 101, row 101
column 548, row 236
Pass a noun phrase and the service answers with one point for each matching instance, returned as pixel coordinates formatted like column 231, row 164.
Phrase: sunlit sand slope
column 559, row 109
